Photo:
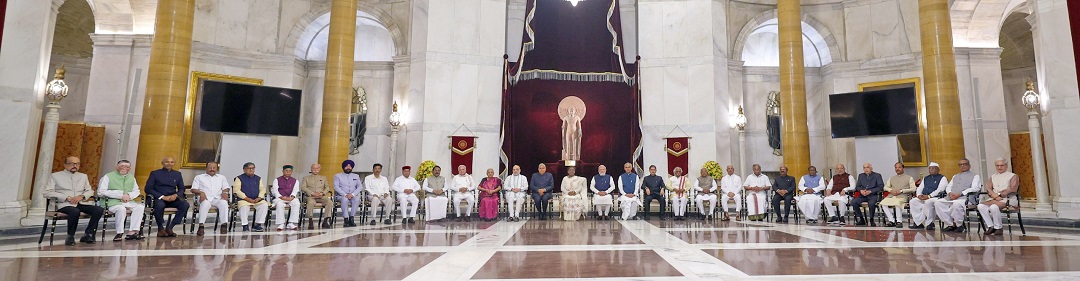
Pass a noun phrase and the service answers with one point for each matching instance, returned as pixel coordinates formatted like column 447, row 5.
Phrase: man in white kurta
column 406, row 187
column 836, row 193
column 213, row 191
column 630, row 186
column 285, row 191
column 679, row 187
column 952, row 208
column 574, row 197
column 435, row 202
column 705, row 186
column 463, row 186
column 922, row 204
column 602, row 185
column 756, row 186
column 1001, row 188
column 731, row 189
column 811, row 184
column 378, row 188
column 119, row 191
column 515, row 189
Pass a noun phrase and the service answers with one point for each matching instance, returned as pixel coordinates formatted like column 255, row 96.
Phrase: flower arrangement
column 715, row 170
column 424, row 171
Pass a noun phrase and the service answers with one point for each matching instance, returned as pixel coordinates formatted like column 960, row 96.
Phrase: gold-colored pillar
column 166, row 86
column 795, row 135
column 337, row 92
column 944, row 129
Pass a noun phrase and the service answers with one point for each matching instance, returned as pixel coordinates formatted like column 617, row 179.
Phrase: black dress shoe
column 915, row 226
column 88, row 239
column 411, row 220
column 387, row 221
column 372, row 222
column 961, row 228
column 930, row 226
column 70, row 241
column 989, row 231
column 899, row 225
column 404, row 221
column 949, row 228
column 890, row 224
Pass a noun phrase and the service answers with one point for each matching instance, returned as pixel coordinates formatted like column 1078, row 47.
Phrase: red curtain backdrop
column 678, row 155
column 576, row 43
column 3, row 12
column 461, row 153
column 1074, row 25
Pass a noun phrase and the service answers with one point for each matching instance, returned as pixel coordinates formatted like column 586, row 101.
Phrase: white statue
column 571, row 111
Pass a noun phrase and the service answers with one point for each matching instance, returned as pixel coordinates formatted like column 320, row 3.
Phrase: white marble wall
column 880, row 28
column 77, row 77
column 377, row 79
column 1014, row 86
column 1058, row 85
column 24, row 66
column 684, row 79
column 455, row 68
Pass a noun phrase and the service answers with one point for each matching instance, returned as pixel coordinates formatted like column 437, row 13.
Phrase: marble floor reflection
column 560, row 250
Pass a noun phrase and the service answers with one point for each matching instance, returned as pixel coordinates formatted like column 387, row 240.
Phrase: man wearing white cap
column 922, row 204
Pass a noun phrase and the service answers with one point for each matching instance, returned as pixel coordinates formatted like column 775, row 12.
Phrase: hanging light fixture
column 395, row 116
column 57, row 89
column 740, row 120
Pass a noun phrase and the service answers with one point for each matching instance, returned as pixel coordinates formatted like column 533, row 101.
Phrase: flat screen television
column 874, row 113
column 249, row 109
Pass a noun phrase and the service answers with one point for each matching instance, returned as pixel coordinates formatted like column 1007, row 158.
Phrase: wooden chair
column 54, row 214
column 169, row 213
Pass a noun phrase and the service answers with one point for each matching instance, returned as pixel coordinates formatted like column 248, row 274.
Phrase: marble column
column 795, row 135
column 166, row 86
column 944, row 128
column 337, row 92
column 24, row 70
column 1057, row 84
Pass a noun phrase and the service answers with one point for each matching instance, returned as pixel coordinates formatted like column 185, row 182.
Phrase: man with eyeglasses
column 71, row 190
column 1002, row 186
column 951, row 209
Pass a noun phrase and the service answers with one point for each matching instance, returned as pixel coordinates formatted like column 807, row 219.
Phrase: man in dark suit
column 166, row 188
column 784, row 191
column 868, row 189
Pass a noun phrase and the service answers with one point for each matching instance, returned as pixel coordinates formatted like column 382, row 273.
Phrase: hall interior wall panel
column 1022, row 164
column 79, row 140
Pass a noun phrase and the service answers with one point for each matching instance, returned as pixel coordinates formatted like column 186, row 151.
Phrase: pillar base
column 11, row 213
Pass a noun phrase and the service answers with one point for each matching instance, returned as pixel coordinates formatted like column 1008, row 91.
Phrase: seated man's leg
column 204, row 211
column 159, row 213
column 120, row 215
column 73, row 214
column 181, row 212
column 137, row 211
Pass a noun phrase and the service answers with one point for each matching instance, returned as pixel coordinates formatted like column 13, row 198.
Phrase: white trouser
column 279, row 211
column 841, row 202
column 678, row 205
column 222, row 210
column 922, row 212
column 468, row 197
column 260, row 213
column 724, row 202
column 403, row 204
column 378, row 200
column 602, row 209
column 120, row 213
column 890, row 210
column 810, row 205
column 701, row 198
column 629, row 206
column 436, row 207
column 951, row 212
column 991, row 215
column 514, row 201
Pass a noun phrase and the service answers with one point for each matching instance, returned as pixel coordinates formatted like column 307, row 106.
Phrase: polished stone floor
column 587, row 250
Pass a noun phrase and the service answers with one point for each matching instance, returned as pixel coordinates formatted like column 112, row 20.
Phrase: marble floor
column 586, row 250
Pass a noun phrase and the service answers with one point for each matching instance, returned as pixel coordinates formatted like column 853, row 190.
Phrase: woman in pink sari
column 489, row 196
